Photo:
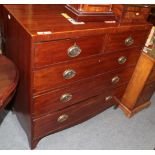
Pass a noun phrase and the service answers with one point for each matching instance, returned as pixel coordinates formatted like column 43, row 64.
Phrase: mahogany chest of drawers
column 68, row 72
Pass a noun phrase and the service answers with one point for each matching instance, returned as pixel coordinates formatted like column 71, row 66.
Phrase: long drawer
column 63, row 50
column 81, row 90
column 65, row 73
column 73, row 115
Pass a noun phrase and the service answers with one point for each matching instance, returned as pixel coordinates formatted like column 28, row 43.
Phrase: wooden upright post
column 136, row 84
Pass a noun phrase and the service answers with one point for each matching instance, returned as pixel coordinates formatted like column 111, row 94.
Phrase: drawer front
column 73, row 93
column 146, row 94
column 138, row 9
column 125, row 40
column 58, row 51
column 130, row 17
column 62, row 74
column 73, row 115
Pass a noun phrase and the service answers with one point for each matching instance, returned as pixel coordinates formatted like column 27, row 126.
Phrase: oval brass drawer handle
column 108, row 98
column 62, row 118
column 69, row 73
column 66, row 97
column 115, row 80
column 122, row 60
column 129, row 41
column 74, row 51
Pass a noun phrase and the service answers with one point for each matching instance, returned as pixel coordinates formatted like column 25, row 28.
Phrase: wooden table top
column 48, row 18
column 8, row 80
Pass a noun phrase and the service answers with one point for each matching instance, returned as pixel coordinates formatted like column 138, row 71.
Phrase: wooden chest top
column 48, row 18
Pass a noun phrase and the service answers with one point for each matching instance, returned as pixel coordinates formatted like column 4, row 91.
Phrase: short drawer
column 131, row 14
column 72, row 115
column 132, row 8
column 63, row 50
column 66, row 73
column 134, row 17
column 125, row 40
column 81, row 90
